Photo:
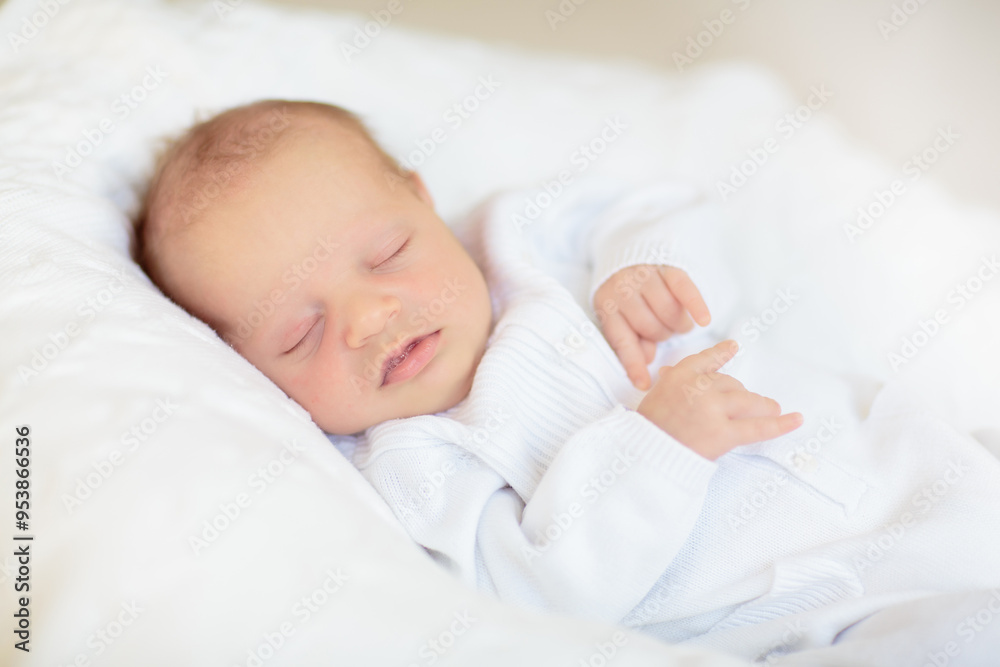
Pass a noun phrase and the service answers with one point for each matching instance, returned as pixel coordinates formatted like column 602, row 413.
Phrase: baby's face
column 321, row 274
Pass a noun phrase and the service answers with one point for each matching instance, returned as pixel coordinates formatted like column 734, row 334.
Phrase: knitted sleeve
column 608, row 516
column 667, row 224
column 613, row 225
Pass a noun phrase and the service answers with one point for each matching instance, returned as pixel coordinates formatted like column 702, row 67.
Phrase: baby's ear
column 420, row 189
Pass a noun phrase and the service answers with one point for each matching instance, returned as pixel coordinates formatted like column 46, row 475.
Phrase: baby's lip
column 398, row 350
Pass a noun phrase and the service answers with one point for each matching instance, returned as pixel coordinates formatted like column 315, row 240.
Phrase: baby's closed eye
column 396, row 255
column 309, row 339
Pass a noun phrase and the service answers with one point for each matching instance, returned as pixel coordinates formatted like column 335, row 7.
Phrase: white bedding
column 95, row 359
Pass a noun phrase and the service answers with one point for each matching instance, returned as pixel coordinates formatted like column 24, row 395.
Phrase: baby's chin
column 340, row 427
column 437, row 402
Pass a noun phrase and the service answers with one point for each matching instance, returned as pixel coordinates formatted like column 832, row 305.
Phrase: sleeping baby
column 493, row 385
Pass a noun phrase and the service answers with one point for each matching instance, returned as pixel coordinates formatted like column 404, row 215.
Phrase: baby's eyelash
column 396, row 254
column 304, row 338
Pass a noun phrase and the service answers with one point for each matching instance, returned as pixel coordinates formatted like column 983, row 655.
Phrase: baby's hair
column 214, row 155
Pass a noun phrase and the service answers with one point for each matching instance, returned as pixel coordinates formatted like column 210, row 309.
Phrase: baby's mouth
column 395, row 361
column 424, row 353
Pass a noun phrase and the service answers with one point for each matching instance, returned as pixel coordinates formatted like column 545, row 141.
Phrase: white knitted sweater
column 545, row 488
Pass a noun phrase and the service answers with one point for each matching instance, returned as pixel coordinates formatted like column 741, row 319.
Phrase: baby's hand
column 709, row 412
column 642, row 305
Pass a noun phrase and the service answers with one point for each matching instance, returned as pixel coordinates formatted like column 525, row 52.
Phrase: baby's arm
column 662, row 224
column 605, row 521
column 653, row 254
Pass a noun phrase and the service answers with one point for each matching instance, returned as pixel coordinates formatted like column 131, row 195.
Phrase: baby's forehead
column 221, row 157
column 219, row 163
column 287, row 192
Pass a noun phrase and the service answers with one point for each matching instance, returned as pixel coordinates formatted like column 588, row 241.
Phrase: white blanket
column 186, row 512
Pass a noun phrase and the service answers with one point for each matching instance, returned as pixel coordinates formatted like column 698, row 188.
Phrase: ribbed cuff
column 643, row 252
column 654, row 448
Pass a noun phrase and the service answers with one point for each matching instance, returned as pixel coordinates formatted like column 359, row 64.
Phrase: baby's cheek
column 329, row 387
column 305, row 382
column 452, row 289
column 429, row 279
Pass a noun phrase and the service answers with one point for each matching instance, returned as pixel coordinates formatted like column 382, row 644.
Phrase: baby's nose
column 369, row 316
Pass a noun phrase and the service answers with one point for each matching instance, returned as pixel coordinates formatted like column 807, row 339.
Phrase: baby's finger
column 643, row 320
column 746, row 404
column 625, row 342
column 758, row 429
column 666, row 307
column 725, row 384
column 715, row 357
column 648, row 350
column 687, row 293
